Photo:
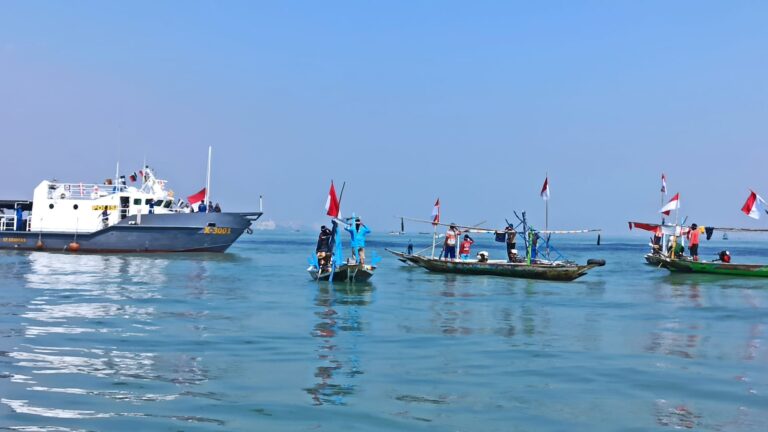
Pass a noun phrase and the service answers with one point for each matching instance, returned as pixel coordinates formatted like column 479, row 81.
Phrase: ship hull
column 175, row 232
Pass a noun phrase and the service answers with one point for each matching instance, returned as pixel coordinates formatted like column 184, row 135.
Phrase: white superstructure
column 79, row 207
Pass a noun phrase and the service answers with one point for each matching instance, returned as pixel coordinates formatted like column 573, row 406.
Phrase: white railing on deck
column 82, row 190
column 7, row 223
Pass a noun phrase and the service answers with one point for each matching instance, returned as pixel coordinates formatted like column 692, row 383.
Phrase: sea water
column 246, row 341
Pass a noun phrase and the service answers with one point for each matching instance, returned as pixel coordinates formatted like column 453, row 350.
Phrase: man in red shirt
column 693, row 241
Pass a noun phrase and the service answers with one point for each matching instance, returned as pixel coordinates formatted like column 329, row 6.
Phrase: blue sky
column 473, row 102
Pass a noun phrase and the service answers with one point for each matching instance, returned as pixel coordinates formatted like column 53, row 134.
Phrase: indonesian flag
column 332, row 203
column 673, row 204
column 545, row 189
column 196, row 198
column 436, row 213
column 663, row 183
column 754, row 205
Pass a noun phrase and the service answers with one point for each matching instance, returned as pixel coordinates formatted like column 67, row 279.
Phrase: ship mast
column 208, row 179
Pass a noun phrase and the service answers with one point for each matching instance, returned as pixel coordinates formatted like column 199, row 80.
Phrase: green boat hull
column 725, row 269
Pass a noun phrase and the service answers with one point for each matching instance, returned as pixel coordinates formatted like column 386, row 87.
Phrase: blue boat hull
column 177, row 232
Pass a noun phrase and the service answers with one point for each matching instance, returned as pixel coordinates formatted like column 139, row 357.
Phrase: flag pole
column 663, row 191
column 434, row 241
column 208, row 179
column 434, row 234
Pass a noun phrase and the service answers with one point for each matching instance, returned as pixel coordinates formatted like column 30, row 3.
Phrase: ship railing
column 83, row 190
column 7, row 223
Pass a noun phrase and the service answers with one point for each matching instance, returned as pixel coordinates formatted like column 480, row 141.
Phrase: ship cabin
column 84, row 207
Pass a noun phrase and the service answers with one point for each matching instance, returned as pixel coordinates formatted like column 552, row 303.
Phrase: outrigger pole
column 434, row 238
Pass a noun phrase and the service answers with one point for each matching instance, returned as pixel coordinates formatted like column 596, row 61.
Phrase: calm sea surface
column 246, row 341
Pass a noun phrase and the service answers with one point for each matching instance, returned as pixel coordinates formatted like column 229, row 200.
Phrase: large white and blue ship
column 115, row 218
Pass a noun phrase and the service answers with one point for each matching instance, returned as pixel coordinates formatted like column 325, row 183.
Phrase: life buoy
column 66, row 187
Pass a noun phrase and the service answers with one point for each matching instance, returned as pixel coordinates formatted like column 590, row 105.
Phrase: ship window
column 50, row 206
column 75, row 206
column 147, row 201
column 159, row 203
column 137, row 201
column 168, row 204
column 212, row 224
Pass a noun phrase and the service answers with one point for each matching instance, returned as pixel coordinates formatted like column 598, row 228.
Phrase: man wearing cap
column 358, row 231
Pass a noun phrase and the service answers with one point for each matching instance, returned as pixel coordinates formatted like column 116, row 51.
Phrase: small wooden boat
column 710, row 267
column 343, row 273
column 553, row 271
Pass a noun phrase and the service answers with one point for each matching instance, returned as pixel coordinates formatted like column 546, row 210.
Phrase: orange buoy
column 73, row 247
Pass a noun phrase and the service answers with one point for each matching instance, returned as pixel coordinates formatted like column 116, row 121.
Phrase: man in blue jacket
column 358, row 231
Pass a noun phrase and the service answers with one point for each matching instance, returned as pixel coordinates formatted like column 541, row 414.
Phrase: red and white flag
column 673, row 204
column 754, row 205
column 196, row 198
column 545, row 189
column 436, row 213
column 663, row 183
column 332, row 203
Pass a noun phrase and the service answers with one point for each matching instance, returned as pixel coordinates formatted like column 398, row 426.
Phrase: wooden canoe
column 343, row 273
column 720, row 268
column 543, row 271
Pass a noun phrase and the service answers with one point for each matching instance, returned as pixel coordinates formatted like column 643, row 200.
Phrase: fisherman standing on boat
column 451, row 238
column 511, row 244
column 465, row 247
column 693, row 241
column 358, row 233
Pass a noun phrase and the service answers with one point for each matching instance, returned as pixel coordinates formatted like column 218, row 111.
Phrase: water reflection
column 82, row 307
column 337, row 330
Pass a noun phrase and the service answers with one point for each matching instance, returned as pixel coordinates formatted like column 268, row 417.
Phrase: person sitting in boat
column 201, row 208
column 482, row 256
column 358, row 231
column 451, row 238
column 217, row 208
column 675, row 248
column 656, row 241
column 724, row 256
column 323, row 249
column 466, row 245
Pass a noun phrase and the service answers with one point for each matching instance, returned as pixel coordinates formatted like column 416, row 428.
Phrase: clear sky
column 473, row 102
